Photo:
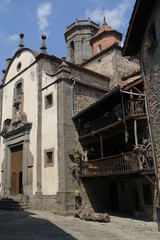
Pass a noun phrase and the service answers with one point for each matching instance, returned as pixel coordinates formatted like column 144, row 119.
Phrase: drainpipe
column 72, row 97
column 149, row 120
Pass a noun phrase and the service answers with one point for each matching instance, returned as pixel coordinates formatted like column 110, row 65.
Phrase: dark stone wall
column 68, row 138
column 151, row 60
column 84, row 96
column 100, row 195
column 66, row 145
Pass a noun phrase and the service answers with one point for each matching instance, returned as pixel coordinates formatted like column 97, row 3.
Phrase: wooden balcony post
column 135, row 133
column 101, row 144
column 132, row 104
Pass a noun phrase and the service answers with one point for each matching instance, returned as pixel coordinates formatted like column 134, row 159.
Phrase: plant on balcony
column 74, row 166
column 148, row 45
column 76, row 154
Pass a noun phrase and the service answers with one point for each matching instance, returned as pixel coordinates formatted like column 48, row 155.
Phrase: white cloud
column 4, row 4
column 43, row 11
column 13, row 38
column 114, row 17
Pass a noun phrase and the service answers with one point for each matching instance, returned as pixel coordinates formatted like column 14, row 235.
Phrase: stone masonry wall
column 151, row 59
column 90, row 79
column 113, row 65
column 83, row 97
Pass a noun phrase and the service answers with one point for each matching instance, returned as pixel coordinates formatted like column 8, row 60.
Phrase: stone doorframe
column 12, row 139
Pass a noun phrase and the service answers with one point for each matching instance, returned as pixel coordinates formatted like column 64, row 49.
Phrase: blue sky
column 34, row 17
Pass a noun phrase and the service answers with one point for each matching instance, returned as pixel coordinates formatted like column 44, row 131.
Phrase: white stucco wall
column 49, row 138
column 30, row 101
column 25, row 58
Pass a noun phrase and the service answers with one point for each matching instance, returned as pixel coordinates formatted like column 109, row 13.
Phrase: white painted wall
column 49, row 138
column 30, row 101
column 26, row 58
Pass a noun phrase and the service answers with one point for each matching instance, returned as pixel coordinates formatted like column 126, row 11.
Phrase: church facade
column 39, row 96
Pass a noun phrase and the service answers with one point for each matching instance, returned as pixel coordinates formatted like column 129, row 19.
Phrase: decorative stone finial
column 43, row 45
column 3, row 71
column 104, row 19
column 7, row 62
column 64, row 58
column 64, row 66
column 21, row 44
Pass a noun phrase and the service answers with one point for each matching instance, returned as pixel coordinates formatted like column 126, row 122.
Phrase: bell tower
column 77, row 37
column 104, row 38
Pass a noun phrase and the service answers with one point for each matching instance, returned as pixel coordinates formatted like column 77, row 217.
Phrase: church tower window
column 99, row 48
column 72, row 51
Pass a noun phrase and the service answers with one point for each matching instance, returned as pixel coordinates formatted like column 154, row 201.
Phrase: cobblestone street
column 39, row 225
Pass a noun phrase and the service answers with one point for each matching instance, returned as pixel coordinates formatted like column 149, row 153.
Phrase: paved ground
column 40, row 225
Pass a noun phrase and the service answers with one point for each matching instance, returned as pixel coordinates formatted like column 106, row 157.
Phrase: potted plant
column 148, row 45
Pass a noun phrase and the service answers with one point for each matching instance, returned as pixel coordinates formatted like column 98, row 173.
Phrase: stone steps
column 13, row 204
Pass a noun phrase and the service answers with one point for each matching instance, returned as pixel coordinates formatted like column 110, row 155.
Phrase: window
column 72, row 51
column 48, row 101
column 19, row 66
column 147, row 194
column 19, row 88
column 86, row 128
column 99, row 48
column 49, row 157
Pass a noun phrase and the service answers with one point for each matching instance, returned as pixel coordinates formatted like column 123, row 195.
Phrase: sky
column 35, row 17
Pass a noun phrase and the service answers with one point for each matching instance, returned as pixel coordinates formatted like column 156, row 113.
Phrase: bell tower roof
column 105, row 37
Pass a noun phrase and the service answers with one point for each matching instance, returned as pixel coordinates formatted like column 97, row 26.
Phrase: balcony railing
column 131, row 108
column 125, row 163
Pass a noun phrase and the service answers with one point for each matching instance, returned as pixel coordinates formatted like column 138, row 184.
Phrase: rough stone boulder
column 90, row 215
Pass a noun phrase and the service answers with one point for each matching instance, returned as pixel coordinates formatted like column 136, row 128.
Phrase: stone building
column 103, row 137
column 143, row 38
column 40, row 93
column 107, row 56
column 117, row 170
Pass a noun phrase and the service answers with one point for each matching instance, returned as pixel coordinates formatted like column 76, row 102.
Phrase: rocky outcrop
column 90, row 215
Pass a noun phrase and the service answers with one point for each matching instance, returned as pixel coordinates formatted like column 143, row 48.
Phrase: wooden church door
column 16, row 170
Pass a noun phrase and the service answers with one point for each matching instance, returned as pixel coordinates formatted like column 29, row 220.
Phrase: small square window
column 49, row 157
column 49, row 101
column 99, row 48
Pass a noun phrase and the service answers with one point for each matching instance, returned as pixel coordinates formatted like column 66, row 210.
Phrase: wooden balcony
column 137, row 161
column 132, row 109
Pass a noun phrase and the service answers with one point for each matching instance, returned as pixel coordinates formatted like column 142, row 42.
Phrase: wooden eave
column 132, row 85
